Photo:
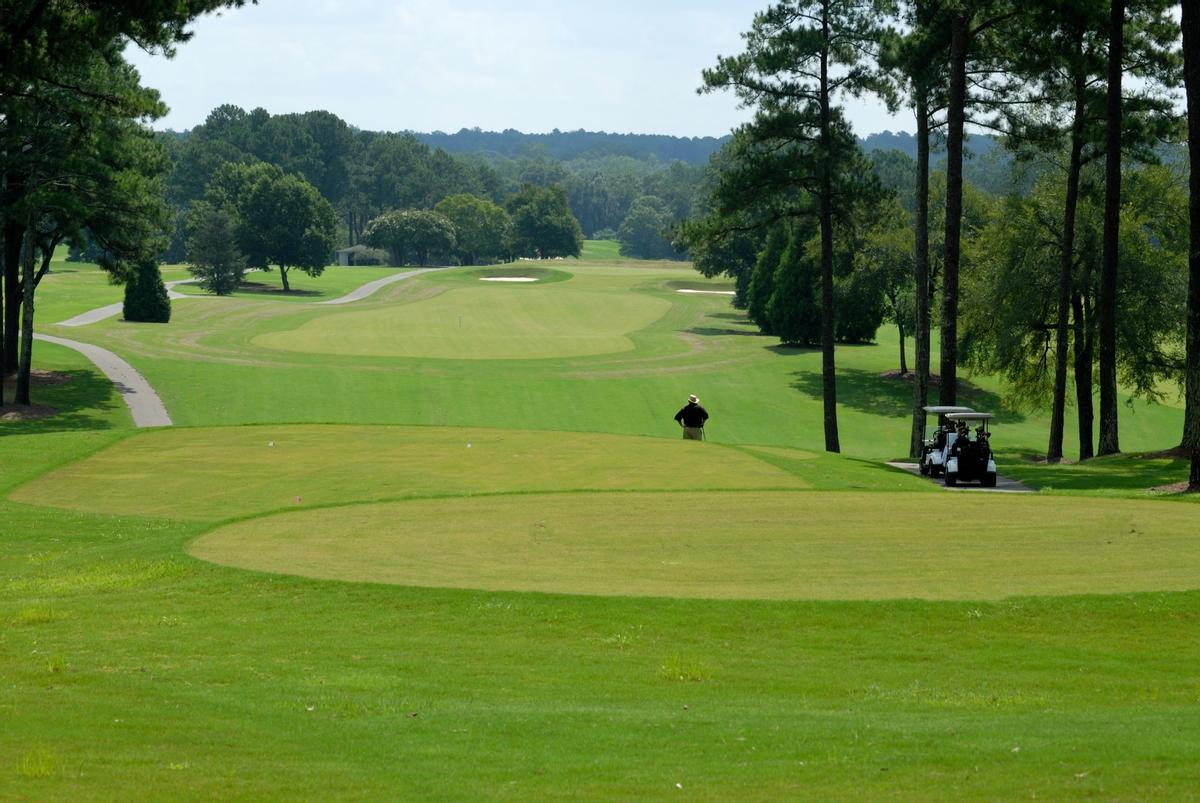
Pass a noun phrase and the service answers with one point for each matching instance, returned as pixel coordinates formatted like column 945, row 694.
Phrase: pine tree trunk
column 903, row 358
column 1191, row 80
column 1107, row 307
column 1083, row 374
column 828, row 369
column 921, row 386
column 955, row 117
column 14, row 235
column 1054, row 451
column 3, row 350
column 283, row 275
column 25, row 365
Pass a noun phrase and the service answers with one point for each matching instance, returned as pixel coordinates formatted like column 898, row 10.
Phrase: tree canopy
column 543, row 225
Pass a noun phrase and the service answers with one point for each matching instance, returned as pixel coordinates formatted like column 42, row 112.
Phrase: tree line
column 1086, row 268
column 78, row 163
column 362, row 174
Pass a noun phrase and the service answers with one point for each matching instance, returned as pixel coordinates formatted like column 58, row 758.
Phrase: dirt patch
column 911, row 377
column 33, row 412
column 1175, row 453
column 1040, row 460
column 272, row 290
column 1167, row 490
column 49, row 378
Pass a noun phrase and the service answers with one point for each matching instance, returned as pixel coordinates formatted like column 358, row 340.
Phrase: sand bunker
column 708, row 292
column 507, row 279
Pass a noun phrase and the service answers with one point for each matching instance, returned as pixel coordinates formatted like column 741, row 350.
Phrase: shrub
column 145, row 294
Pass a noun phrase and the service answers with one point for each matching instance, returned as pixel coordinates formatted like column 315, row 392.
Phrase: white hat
column 694, row 399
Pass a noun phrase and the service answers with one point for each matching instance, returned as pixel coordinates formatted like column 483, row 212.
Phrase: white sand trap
column 507, row 279
column 708, row 292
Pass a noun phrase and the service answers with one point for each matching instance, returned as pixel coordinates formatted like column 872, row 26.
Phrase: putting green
column 481, row 322
column 218, row 473
column 779, row 545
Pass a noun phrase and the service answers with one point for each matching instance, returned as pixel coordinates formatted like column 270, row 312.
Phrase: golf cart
column 933, row 453
column 968, row 460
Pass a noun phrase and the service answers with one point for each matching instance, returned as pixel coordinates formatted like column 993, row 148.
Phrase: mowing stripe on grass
column 733, row 545
column 370, row 288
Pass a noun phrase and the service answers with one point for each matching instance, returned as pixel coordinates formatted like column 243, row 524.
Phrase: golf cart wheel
column 951, row 479
column 924, row 469
column 989, row 480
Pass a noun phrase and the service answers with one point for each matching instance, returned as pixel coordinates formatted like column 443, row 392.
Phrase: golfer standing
column 692, row 418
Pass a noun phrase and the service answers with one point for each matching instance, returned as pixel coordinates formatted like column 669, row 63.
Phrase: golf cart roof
column 942, row 409
column 970, row 415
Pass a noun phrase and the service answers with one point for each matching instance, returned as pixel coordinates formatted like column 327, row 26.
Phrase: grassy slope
column 208, row 367
column 733, row 545
column 128, row 665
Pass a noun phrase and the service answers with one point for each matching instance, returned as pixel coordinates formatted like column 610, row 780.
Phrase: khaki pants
column 693, row 433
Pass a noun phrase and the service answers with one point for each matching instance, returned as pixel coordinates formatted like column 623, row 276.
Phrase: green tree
column 50, row 56
column 794, row 309
column 887, row 256
column 212, row 251
column 281, row 219
column 643, row 232
column 420, row 231
column 1010, row 312
column 916, row 65
column 543, row 225
column 723, row 239
column 762, row 278
column 85, row 167
column 1056, row 62
column 1191, row 73
column 146, row 299
column 481, row 228
column 601, row 194
column 799, row 57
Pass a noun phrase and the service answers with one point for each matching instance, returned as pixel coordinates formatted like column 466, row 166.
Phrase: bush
column 213, row 254
column 145, row 294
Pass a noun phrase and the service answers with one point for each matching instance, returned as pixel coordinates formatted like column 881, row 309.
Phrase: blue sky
column 533, row 65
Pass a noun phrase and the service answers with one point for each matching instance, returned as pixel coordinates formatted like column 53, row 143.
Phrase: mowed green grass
column 731, row 545
column 222, row 473
column 127, row 663
column 209, row 363
column 490, row 321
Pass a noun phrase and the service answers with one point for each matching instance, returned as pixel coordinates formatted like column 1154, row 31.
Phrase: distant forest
column 647, row 183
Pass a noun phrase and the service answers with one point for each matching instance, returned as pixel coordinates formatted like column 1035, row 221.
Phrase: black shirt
column 693, row 415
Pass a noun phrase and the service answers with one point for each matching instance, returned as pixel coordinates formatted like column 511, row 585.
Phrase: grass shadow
column 81, row 397
column 792, row 349
column 713, row 331
column 257, row 288
column 1118, row 473
column 891, row 396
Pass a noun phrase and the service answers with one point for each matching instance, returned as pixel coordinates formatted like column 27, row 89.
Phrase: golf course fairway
column 189, row 473
column 367, row 564
column 488, row 322
column 751, row 545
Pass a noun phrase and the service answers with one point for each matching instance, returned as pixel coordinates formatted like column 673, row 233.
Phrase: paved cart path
column 111, row 310
column 1003, row 484
column 144, row 404
column 370, row 288
column 108, row 311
